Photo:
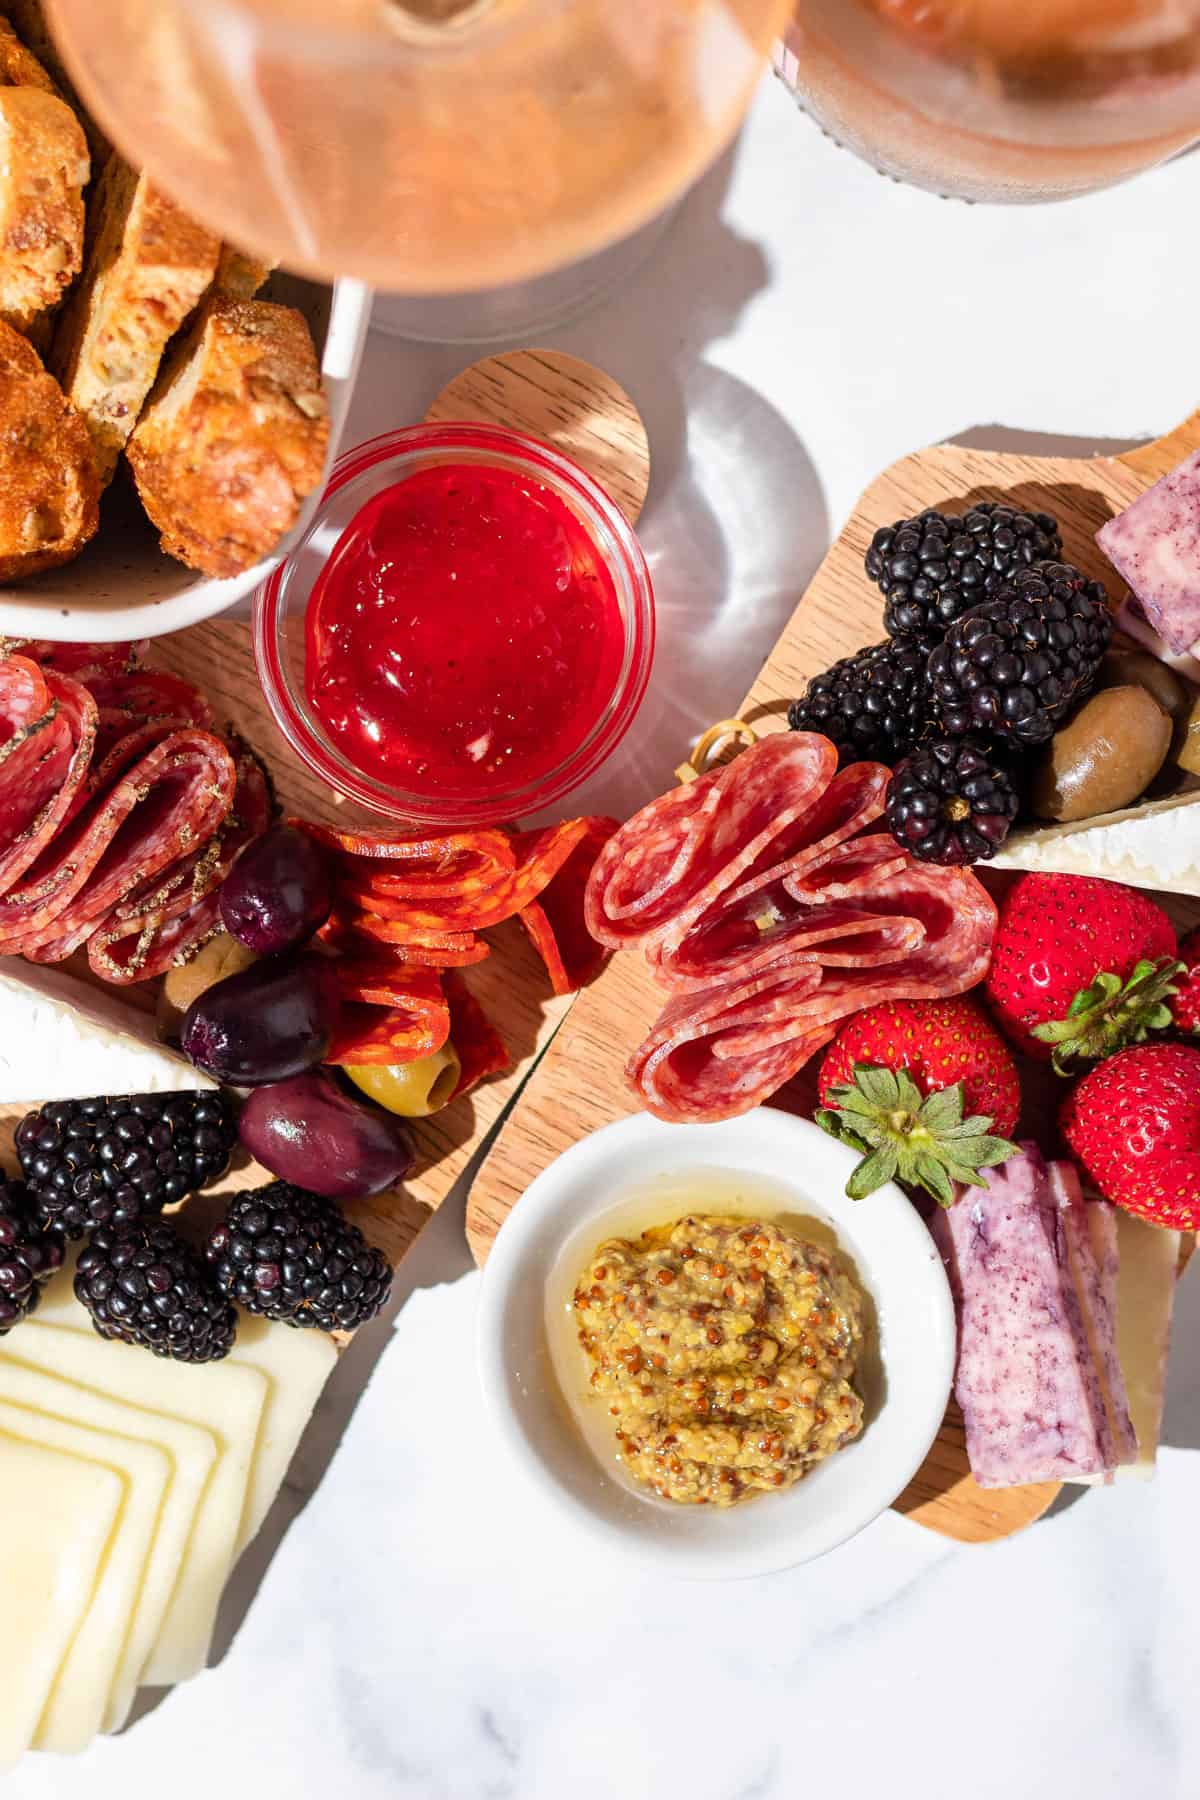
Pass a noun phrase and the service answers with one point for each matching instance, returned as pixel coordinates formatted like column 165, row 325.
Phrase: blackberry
column 951, row 802
column 1017, row 665
column 110, row 1161
column 143, row 1285
column 874, row 706
column 291, row 1255
column 28, row 1255
column 936, row 567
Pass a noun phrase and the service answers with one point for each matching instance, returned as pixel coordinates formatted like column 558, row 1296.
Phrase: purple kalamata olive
column 308, row 1132
column 270, row 1021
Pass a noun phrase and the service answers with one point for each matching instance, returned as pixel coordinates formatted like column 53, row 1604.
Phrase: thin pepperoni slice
column 556, row 920
column 413, row 1021
column 481, row 1050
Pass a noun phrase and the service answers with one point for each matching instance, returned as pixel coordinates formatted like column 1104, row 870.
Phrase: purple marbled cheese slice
column 1155, row 545
column 1026, row 1380
column 1090, row 1233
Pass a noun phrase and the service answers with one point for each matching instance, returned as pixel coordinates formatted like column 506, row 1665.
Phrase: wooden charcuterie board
column 586, row 414
column 578, row 1085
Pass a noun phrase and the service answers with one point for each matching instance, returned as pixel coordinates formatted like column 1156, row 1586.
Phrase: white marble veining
column 421, row 1628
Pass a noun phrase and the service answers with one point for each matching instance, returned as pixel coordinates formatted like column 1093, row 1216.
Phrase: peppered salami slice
column 171, row 914
column 78, row 660
column 129, row 700
column 42, row 772
column 171, row 800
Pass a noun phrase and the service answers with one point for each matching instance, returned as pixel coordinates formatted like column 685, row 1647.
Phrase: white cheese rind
column 63, row 1038
column 75, row 1710
column 1152, row 846
column 192, row 1451
column 227, row 1401
column 1149, row 1272
column 59, row 1515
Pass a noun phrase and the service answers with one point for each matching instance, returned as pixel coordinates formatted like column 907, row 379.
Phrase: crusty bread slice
column 234, row 437
column 49, row 485
column 43, row 172
column 19, row 67
column 239, row 276
column 147, row 269
column 29, row 18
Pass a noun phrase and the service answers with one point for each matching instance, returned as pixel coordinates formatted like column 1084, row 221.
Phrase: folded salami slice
column 130, row 700
column 170, row 800
column 169, row 916
column 79, row 660
column 785, row 923
column 24, row 696
column 43, row 771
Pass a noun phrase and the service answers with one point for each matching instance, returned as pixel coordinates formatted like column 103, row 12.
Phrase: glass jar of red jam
column 465, row 631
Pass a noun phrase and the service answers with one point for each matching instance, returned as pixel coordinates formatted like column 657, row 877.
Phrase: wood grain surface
column 567, row 403
column 578, row 1086
column 511, row 984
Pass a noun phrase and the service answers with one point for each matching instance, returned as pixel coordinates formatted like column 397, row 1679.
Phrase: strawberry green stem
column 923, row 1141
column 1111, row 1014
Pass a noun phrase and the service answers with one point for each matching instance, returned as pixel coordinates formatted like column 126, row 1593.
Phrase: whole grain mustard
column 725, row 1350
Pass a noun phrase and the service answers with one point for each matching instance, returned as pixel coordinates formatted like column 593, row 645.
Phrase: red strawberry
column 1134, row 1124
column 1080, row 967
column 896, row 1082
column 1186, row 1004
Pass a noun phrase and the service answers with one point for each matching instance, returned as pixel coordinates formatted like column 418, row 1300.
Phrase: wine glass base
column 505, row 314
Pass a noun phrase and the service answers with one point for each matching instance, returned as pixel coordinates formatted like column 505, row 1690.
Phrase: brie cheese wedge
column 1156, row 845
column 63, row 1038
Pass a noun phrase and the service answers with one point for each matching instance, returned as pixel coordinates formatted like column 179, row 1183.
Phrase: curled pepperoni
column 481, row 1050
column 389, row 1015
column 418, row 867
column 555, row 920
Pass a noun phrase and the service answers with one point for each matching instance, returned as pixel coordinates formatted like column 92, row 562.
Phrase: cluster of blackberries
column 992, row 644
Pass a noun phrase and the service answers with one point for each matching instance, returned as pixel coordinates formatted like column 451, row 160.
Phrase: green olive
column 412, row 1089
column 1188, row 753
column 1105, row 758
column 220, row 956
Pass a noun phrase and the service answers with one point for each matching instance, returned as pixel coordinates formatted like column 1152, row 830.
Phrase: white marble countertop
column 396, row 1633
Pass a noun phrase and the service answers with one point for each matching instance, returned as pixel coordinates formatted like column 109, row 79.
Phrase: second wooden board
column 579, row 1084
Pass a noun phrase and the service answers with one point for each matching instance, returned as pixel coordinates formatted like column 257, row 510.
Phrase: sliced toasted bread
column 43, row 172
column 49, row 485
column 239, row 276
column 32, row 31
column 146, row 271
column 234, row 437
column 19, row 67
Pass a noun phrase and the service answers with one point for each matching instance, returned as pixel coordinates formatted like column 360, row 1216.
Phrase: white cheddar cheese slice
column 58, row 1516
column 78, row 1700
column 192, row 1451
column 220, row 1397
column 1149, row 1270
column 63, row 1038
column 297, row 1364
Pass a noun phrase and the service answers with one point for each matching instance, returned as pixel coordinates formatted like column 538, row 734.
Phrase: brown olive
column 220, row 956
column 1105, row 758
column 1122, row 668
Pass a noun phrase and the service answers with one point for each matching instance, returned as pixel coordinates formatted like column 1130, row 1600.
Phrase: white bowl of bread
column 168, row 407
